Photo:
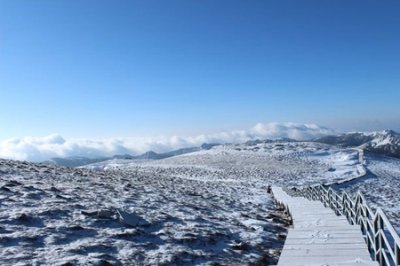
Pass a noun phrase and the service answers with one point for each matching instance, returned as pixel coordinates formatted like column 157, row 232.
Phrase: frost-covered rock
column 132, row 219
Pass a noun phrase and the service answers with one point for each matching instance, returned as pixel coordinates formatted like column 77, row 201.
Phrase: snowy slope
column 381, row 185
column 386, row 142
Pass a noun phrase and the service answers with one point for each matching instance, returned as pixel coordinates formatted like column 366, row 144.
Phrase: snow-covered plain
column 286, row 163
column 65, row 216
column 208, row 207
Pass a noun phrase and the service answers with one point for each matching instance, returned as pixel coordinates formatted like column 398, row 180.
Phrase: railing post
column 317, row 194
column 337, row 203
column 378, row 227
column 376, row 242
column 368, row 243
column 381, row 261
column 343, row 205
column 353, row 211
column 345, row 202
column 329, row 198
column 397, row 254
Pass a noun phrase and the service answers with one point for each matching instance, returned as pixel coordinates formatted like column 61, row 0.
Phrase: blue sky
column 149, row 68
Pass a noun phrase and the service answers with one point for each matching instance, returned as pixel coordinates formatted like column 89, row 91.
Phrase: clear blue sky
column 146, row 68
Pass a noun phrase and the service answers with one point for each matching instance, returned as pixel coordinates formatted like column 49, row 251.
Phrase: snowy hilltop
column 385, row 142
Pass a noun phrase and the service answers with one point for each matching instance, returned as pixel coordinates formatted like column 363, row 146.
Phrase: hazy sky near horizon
column 148, row 68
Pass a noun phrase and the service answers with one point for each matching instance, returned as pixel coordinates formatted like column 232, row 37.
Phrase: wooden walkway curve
column 319, row 236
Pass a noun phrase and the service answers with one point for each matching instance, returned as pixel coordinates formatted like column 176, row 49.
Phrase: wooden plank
column 326, row 230
column 329, row 246
column 332, row 240
column 358, row 253
column 344, row 237
column 314, row 261
column 327, row 215
column 337, row 224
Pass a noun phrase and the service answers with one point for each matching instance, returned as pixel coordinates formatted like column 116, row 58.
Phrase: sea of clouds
column 43, row 148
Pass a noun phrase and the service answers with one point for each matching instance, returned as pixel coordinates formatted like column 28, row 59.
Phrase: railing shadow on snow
column 382, row 239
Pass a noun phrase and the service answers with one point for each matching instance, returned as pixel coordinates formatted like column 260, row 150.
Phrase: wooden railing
column 285, row 208
column 382, row 239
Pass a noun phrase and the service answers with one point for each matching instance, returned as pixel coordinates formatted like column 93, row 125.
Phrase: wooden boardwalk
column 319, row 236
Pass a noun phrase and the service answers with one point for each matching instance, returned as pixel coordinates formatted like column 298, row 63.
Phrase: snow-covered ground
column 61, row 216
column 207, row 207
column 289, row 163
column 381, row 186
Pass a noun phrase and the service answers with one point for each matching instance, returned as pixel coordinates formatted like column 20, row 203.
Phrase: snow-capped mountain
column 385, row 142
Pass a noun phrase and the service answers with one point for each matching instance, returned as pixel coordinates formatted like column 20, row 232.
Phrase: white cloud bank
column 43, row 148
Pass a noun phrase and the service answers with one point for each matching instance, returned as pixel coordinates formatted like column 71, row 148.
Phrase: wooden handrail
column 285, row 208
column 382, row 240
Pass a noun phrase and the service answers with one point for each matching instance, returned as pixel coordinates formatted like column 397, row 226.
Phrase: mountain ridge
column 386, row 142
column 76, row 161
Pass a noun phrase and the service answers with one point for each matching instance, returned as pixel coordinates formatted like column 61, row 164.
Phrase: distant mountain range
column 259, row 141
column 75, row 161
column 385, row 142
